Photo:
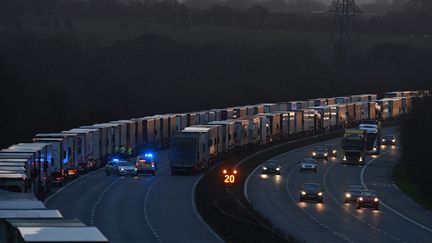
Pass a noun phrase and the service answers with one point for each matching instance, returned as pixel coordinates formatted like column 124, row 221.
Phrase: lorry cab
column 145, row 164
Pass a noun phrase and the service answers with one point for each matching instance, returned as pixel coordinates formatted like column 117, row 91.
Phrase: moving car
column 368, row 199
column 308, row 164
column 389, row 140
column 271, row 167
column 332, row 150
column 353, row 193
column 145, row 164
column 120, row 167
column 311, row 192
column 320, row 152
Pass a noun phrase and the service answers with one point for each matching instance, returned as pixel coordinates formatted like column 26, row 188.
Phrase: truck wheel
column 358, row 207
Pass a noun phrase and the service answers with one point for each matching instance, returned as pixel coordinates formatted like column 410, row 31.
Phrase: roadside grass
column 404, row 183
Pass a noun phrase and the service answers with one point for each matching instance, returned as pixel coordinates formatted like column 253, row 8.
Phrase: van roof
column 62, row 234
column 32, row 213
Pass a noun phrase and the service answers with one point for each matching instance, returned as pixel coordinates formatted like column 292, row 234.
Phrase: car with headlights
column 271, row 167
column 332, row 150
column 388, row 140
column 145, row 164
column 308, row 164
column 120, row 168
column 320, row 152
column 353, row 192
column 368, row 199
column 311, row 192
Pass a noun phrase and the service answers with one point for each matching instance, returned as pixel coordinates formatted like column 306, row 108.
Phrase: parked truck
column 354, row 146
column 189, row 152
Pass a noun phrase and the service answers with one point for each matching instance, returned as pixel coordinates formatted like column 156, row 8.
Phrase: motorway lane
column 276, row 197
column 136, row 209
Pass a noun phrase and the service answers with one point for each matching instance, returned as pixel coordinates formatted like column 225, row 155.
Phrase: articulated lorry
column 193, row 149
column 373, row 130
column 354, row 146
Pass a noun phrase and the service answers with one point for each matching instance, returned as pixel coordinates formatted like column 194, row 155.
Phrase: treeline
column 411, row 17
column 416, row 137
column 50, row 84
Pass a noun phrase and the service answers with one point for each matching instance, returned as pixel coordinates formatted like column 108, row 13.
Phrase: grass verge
column 403, row 181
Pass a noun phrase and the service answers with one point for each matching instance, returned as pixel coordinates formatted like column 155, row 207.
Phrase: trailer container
column 139, row 138
column 322, row 117
column 189, row 151
column 296, row 122
column 284, row 122
column 393, row 94
column 258, row 108
column 309, row 121
column 219, row 136
column 331, row 101
column 275, row 126
column 228, row 131
column 239, row 111
column 192, row 119
column 395, row 107
column 149, row 132
column 342, row 100
column 383, row 109
column 59, row 151
column 181, row 122
column 104, row 145
column 270, row 107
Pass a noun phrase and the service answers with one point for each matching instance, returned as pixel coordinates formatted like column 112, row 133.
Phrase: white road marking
column 71, row 183
column 342, row 236
column 146, row 215
column 197, row 213
column 385, row 205
column 93, row 209
column 348, row 211
column 245, row 188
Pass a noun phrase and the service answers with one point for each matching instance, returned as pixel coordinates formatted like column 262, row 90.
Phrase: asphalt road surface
column 399, row 219
column 136, row 209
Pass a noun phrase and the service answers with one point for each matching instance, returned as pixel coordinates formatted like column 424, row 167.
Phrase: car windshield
column 331, row 147
column 320, row 148
column 389, row 137
column 271, row 163
column 312, row 187
column 368, row 193
column 355, row 188
column 308, row 161
column 123, row 163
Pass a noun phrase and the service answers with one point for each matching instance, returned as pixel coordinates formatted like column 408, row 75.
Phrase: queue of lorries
column 196, row 139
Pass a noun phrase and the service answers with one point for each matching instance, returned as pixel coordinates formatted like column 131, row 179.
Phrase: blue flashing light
column 116, row 160
column 149, row 155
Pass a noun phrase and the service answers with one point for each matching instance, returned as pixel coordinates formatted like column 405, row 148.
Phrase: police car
column 145, row 164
